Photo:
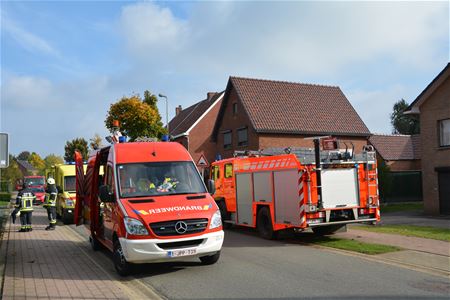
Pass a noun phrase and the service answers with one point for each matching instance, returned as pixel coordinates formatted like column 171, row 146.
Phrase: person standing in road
column 24, row 203
column 50, row 203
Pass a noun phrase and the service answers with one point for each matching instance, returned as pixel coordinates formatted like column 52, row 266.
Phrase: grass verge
column 356, row 246
column 427, row 232
column 396, row 207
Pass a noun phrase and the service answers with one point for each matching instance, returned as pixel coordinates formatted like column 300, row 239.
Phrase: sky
column 63, row 63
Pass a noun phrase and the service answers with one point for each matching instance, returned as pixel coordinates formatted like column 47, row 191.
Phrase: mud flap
column 79, row 172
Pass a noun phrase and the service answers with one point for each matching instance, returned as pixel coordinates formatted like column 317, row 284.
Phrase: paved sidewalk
column 431, row 256
column 52, row 265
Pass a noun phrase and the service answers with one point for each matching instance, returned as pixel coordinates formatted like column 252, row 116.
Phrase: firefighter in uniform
column 50, row 203
column 24, row 203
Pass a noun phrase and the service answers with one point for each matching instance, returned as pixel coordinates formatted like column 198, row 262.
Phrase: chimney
column 178, row 109
column 209, row 95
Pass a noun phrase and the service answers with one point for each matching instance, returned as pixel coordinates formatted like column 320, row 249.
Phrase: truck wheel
column 123, row 267
column 210, row 259
column 326, row 230
column 95, row 245
column 224, row 214
column 264, row 224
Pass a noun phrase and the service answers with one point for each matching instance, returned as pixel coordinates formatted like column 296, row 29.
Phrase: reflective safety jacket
column 24, row 201
column 50, row 196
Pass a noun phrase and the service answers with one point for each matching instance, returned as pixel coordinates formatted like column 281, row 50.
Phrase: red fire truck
column 300, row 189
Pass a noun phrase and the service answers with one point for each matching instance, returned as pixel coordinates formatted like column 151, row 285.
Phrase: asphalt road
column 253, row 268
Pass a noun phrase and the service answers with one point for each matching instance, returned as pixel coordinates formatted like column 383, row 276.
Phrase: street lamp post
column 167, row 113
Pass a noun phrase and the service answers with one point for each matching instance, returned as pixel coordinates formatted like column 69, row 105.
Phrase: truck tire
column 95, row 245
column 123, row 267
column 224, row 214
column 264, row 224
column 210, row 259
column 326, row 230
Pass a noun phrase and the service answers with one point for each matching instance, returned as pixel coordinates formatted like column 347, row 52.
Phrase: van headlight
column 134, row 226
column 216, row 220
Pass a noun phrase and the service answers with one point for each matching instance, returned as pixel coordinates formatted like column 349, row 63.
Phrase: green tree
column 79, row 144
column 137, row 117
column 401, row 123
column 12, row 173
column 24, row 155
column 95, row 142
column 37, row 162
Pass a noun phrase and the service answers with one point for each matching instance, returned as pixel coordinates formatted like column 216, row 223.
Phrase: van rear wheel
column 123, row 267
column 264, row 224
column 95, row 244
column 210, row 259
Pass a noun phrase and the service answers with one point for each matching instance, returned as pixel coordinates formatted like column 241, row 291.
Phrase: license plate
column 183, row 252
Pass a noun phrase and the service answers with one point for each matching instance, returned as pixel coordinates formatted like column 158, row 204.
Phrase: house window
column 444, row 133
column 242, row 137
column 228, row 170
column 235, row 109
column 227, row 139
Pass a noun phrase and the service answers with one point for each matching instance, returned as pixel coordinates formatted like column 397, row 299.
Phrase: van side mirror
column 105, row 194
column 211, row 186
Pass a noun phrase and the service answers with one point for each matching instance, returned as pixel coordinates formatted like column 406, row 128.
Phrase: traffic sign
column 202, row 162
column 4, row 154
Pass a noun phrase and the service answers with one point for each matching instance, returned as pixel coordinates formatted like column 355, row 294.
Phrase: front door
column 444, row 192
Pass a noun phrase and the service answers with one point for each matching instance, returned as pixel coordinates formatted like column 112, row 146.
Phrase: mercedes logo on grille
column 181, row 227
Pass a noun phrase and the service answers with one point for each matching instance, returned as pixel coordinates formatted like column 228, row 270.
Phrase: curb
column 3, row 251
column 394, row 262
column 133, row 287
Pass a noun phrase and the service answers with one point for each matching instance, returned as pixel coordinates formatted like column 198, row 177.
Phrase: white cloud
column 26, row 39
column 148, row 28
column 285, row 38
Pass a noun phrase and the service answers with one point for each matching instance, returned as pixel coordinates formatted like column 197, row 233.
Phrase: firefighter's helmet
column 51, row 181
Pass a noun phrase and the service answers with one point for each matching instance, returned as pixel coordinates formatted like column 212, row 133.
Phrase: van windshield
column 159, row 178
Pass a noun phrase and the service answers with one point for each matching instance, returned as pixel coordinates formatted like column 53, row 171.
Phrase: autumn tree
column 137, row 117
column 95, row 142
column 37, row 162
column 24, row 155
column 401, row 123
column 79, row 144
column 51, row 160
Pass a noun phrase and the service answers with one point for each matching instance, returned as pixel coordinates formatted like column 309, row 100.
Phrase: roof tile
column 287, row 107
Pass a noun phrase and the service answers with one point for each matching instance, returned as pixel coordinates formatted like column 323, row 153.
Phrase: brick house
column 433, row 108
column 260, row 114
column 192, row 127
column 399, row 152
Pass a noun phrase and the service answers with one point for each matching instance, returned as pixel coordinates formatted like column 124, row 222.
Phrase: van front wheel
column 123, row 267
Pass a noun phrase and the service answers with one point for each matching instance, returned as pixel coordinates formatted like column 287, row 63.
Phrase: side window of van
column 110, row 178
column 228, row 170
